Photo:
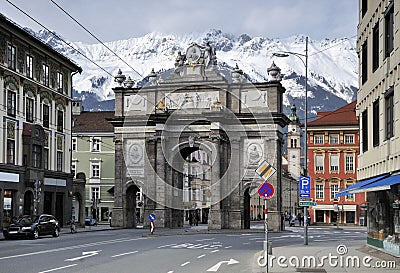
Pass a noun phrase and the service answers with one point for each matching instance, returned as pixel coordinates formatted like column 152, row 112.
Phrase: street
column 130, row 250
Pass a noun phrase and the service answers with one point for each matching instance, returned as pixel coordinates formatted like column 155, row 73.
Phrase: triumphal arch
column 190, row 139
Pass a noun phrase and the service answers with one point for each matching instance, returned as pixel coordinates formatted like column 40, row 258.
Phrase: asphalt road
column 125, row 250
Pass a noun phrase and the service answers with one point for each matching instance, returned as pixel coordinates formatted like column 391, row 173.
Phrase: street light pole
column 305, row 62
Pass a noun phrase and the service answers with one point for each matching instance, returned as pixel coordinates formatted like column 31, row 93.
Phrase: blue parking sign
column 305, row 187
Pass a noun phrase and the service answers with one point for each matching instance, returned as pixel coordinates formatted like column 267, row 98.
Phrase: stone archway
column 196, row 107
column 130, row 212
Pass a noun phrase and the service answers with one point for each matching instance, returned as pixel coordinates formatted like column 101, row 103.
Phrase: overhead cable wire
column 56, row 35
column 94, row 36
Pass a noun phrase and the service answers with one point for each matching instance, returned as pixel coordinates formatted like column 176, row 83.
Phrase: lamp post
column 304, row 60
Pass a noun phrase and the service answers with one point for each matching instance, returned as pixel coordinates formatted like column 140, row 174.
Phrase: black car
column 33, row 227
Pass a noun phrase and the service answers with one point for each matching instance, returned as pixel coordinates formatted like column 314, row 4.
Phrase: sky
column 112, row 20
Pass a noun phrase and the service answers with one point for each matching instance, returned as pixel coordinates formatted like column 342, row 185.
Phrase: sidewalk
column 336, row 257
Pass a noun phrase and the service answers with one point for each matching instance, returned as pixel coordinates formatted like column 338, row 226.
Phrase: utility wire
column 94, row 36
column 55, row 34
column 345, row 40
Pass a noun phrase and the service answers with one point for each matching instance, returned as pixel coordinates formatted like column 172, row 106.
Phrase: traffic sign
column 265, row 170
column 266, row 190
column 152, row 217
column 305, row 187
column 307, row 203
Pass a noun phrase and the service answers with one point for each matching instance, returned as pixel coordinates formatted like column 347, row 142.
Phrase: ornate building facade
column 35, row 101
column 196, row 107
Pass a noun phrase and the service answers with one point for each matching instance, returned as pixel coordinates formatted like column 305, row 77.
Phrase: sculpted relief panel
column 134, row 157
column 191, row 100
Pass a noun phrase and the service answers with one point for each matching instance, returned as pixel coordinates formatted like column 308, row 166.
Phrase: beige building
column 378, row 99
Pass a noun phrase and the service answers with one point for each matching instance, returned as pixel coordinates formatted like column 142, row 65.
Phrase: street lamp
column 304, row 60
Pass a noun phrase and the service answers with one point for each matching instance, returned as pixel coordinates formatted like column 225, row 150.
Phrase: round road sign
column 266, row 190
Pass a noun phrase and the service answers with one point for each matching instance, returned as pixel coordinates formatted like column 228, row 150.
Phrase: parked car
column 33, row 226
column 90, row 221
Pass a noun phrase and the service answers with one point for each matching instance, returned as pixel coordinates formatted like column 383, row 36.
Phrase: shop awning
column 380, row 185
column 358, row 185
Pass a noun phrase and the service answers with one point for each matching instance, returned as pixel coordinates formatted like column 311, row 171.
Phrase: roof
column 92, row 122
column 17, row 27
column 345, row 115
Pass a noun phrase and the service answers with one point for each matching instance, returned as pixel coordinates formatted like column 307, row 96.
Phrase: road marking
column 228, row 246
column 170, row 272
column 200, row 240
column 58, row 268
column 201, row 256
column 214, row 251
column 247, row 243
column 217, row 266
column 123, row 254
column 185, row 263
column 166, row 245
column 84, row 255
column 127, row 239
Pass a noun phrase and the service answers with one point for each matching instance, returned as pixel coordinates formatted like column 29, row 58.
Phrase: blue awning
column 380, row 185
column 356, row 186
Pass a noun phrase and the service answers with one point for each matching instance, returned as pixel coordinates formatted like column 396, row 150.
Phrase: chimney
column 77, row 107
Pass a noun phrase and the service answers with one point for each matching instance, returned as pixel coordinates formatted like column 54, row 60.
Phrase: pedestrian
column 300, row 218
column 190, row 218
column 137, row 217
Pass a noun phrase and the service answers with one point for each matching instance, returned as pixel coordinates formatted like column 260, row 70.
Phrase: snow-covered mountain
column 332, row 64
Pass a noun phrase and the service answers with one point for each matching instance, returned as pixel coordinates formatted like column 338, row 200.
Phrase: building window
column 96, row 144
column 46, row 75
column 349, row 139
column 334, row 163
column 334, row 190
column 318, row 139
column 95, row 170
column 293, row 143
column 59, row 161
column 46, row 116
column 364, row 117
column 319, row 163
column 11, row 103
column 375, row 123
column 350, row 196
column 46, row 158
column 60, row 82
column 319, row 191
column 349, row 163
column 74, row 145
column 29, row 66
column 364, row 64
column 11, row 56
column 389, row 113
column 94, row 193
column 10, row 151
column 60, row 120
column 29, row 110
column 364, row 7
column 375, row 48
column 36, row 156
column 333, row 139
column 389, row 30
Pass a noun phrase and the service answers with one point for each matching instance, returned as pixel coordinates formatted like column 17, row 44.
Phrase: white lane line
column 214, row 251
column 73, row 247
column 58, row 268
column 246, row 243
column 201, row 256
column 166, row 245
column 185, row 263
column 228, row 246
column 123, row 254
column 200, row 240
column 170, row 272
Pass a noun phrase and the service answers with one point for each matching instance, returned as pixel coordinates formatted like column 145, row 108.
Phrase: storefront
column 383, row 213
